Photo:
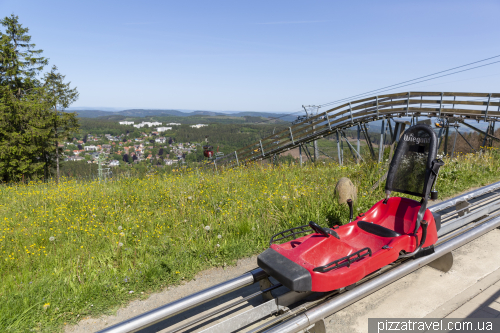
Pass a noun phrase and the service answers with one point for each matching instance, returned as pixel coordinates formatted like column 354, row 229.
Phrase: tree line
column 32, row 121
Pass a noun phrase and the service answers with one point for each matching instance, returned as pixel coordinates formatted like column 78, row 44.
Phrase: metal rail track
column 463, row 218
column 451, row 105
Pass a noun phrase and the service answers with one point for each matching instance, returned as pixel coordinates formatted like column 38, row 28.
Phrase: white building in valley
column 147, row 123
column 198, row 125
column 160, row 140
column 163, row 129
column 126, row 122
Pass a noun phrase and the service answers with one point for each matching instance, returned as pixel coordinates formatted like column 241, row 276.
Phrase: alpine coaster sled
column 395, row 227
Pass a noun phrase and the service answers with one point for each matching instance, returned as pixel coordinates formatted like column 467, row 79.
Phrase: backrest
column 410, row 168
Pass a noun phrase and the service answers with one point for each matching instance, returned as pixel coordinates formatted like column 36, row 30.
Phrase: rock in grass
column 344, row 190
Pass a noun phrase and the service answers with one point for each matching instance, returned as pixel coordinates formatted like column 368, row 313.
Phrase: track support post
column 492, row 133
column 328, row 119
column 291, row 135
column 446, row 135
column 338, row 148
column 487, row 106
column 358, row 142
column 381, row 144
column 441, row 105
column 485, row 140
column 356, row 156
column 368, row 141
column 300, row 154
column 394, row 136
column 454, row 141
column 408, row 104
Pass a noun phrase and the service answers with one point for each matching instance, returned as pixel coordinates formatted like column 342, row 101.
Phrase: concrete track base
column 470, row 288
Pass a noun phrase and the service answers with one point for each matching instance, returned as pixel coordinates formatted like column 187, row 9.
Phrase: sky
column 258, row 55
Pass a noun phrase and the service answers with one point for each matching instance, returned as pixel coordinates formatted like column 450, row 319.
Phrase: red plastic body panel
column 398, row 214
column 208, row 153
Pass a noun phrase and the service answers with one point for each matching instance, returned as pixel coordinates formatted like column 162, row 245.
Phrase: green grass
column 141, row 235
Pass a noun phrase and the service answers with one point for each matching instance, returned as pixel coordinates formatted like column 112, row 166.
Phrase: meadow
column 81, row 249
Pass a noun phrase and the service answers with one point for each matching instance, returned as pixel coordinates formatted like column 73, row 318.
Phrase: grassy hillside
column 82, row 248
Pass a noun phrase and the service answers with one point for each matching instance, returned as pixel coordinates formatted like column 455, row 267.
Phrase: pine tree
column 22, row 129
column 59, row 95
column 20, row 63
column 31, row 120
column 21, row 110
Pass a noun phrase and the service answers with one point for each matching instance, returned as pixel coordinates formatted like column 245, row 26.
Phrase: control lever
column 327, row 232
column 351, row 213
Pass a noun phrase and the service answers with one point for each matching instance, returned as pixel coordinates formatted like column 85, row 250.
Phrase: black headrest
column 411, row 166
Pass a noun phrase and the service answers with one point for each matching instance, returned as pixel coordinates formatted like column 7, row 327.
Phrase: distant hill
column 176, row 113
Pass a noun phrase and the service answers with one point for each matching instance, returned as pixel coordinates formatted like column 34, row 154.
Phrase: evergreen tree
column 59, row 95
column 22, row 129
column 20, row 63
column 30, row 117
column 22, row 112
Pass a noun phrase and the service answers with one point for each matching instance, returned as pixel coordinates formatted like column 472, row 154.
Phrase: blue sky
column 258, row 55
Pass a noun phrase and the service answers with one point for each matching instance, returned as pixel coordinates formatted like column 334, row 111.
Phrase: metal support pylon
column 300, row 154
column 358, row 142
column 454, row 140
column 381, row 144
column 447, row 133
column 338, row 148
column 368, row 141
column 440, row 138
column 492, row 133
column 313, row 110
column 485, row 140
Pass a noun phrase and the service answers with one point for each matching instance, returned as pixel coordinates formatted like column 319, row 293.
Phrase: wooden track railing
column 479, row 106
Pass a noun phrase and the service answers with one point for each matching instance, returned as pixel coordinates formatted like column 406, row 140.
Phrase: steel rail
column 465, row 197
column 468, row 207
column 225, row 307
column 310, row 317
column 156, row 315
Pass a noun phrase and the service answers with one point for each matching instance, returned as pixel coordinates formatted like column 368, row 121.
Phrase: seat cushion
column 377, row 230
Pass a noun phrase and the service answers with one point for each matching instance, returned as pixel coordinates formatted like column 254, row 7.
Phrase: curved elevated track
column 451, row 107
